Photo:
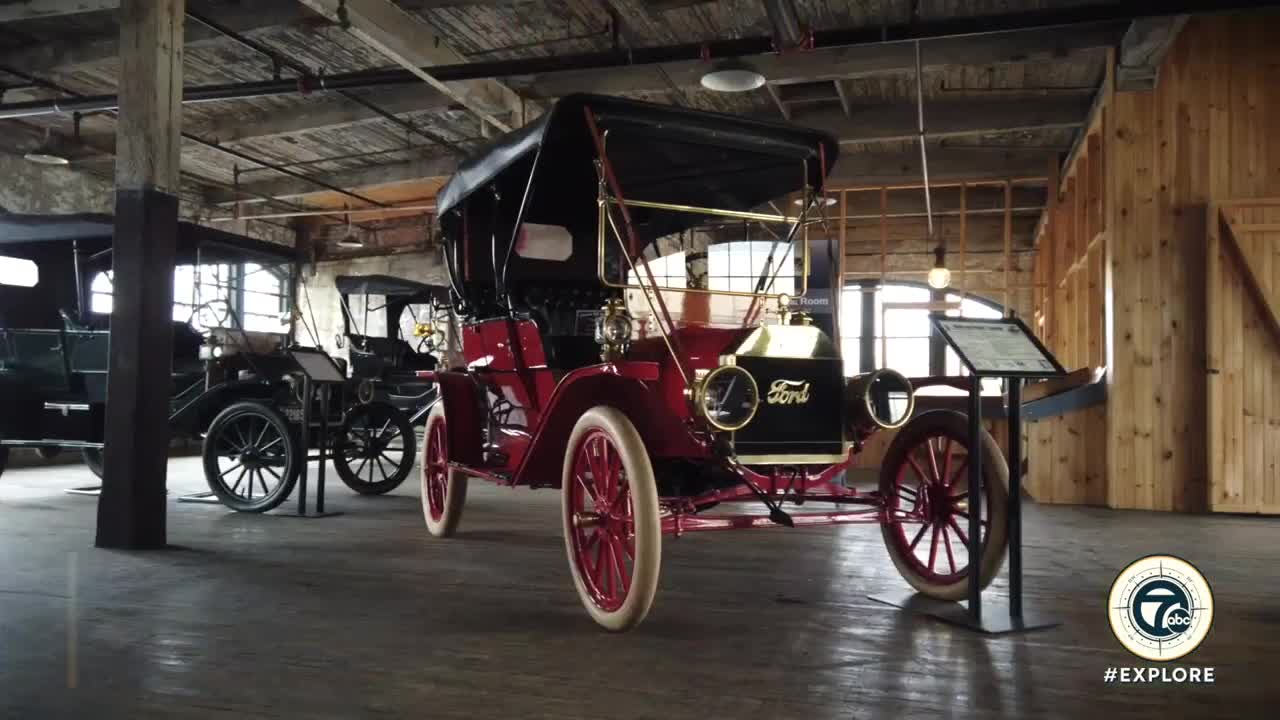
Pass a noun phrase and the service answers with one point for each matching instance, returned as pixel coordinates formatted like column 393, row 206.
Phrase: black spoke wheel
column 93, row 458
column 378, row 448
column 250, row 457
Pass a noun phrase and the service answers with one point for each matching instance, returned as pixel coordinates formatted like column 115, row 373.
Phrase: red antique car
column 623, row 281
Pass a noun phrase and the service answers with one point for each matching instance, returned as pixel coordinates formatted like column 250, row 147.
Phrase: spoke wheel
column 612, row 532
column 444, row 489
column 378, row 449
column 925, row 485
column 250, row 457
column 93, row 459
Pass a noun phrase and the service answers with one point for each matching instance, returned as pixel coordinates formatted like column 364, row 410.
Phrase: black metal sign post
column 318, row 374
column 1004, row 349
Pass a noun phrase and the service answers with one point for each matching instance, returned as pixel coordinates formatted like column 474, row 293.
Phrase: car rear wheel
column 925, row 483
column 612, row 531
column 378, row 449
column 250, row 457
column 444, row 489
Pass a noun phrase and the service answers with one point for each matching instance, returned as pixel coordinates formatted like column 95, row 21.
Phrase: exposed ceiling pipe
column 1118, row 14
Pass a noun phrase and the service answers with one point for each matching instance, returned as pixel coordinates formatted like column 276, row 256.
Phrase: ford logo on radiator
column 788, row 392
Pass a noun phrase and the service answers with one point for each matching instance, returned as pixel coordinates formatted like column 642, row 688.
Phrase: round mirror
column 890, row 399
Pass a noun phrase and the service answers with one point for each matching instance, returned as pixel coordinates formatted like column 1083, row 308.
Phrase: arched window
column 100, row 293
column 874, row 336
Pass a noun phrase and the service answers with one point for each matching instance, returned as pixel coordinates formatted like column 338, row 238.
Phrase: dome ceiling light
column 732, row 75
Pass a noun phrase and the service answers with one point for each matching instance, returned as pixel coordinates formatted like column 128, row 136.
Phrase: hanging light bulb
column 939, row 275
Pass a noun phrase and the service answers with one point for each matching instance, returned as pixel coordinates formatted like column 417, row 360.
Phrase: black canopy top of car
column 387, row 285
column 648, row 143
column 545, row 174
column 93, row 233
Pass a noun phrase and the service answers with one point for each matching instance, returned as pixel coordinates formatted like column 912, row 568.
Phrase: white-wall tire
column 610, row 514
column 444, row 489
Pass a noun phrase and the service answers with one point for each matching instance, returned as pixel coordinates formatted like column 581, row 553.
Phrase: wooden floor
column 365, row 616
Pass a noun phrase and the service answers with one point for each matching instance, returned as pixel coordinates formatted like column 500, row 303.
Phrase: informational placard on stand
column 319, row 367
column 998, row 348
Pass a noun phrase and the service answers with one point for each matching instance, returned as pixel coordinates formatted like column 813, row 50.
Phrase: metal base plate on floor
column 90, row 490
column 204, row 498
column 309, row 516
column 995, row 613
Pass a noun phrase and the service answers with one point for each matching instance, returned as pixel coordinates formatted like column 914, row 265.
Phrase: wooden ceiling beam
column 947, row 118
column 410, row 42
column 416, row 169
column 839, row 63
column 945, row 164
column 37, row 9
column 329, row 112
column 86, row 51
column 852, row 170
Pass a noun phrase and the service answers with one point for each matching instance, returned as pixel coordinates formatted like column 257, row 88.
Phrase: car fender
column 459, row 393
column 626, row 386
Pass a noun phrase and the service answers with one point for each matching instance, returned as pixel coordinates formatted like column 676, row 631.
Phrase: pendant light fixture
column 939, row 275
column 350, row 241
column 44, row 154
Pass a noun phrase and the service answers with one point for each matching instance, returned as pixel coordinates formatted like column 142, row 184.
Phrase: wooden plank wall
column 1123, row 254
column 1243, row 296
column 1066, row 453
column 1210, row 132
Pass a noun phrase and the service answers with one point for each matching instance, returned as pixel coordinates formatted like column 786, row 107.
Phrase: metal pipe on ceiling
column 1118, row 14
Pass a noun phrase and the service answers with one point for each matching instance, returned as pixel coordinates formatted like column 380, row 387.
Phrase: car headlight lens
column 613, row 327
column 727, row 398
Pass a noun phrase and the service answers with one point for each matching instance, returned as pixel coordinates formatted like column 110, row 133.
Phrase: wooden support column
column 131, row 509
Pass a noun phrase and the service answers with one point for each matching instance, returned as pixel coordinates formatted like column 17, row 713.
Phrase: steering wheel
column 213, row 314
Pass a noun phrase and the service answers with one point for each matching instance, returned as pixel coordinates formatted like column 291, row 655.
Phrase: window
column 18, row 271
column 904, row 335
column 263, row 299
column 258, row 294
column 100, row 293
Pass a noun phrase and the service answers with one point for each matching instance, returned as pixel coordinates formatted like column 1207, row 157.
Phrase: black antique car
column 385, row 372
column 235, row 382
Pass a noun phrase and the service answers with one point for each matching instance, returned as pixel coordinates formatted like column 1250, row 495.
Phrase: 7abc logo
column 1160, row 608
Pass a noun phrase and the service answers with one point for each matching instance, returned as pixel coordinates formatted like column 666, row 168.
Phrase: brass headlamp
column 613, row 330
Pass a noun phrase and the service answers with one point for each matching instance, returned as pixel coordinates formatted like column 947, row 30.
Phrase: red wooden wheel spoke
column 946, row 462
column 965, row 515
column 946, row 543
column 959, row 473
column 964, row 537
column 916, row 540
column 933, row 548
column 603, row 552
